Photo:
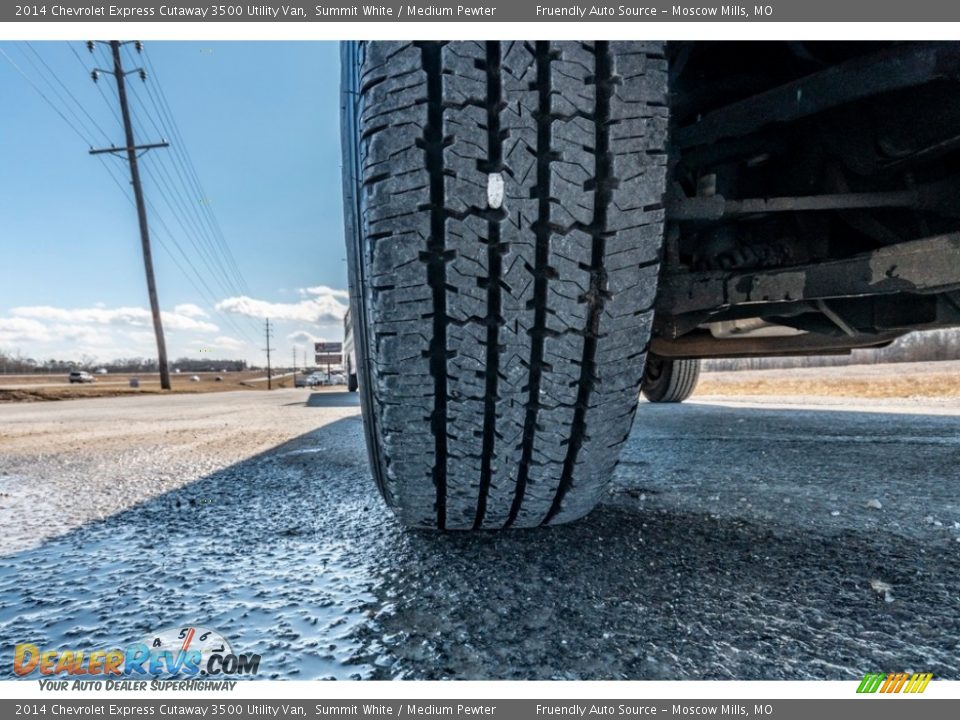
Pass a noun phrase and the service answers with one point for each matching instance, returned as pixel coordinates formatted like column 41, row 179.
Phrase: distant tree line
column 923, row 346
column 930, row 345
column 196, row 365
column 14, row 363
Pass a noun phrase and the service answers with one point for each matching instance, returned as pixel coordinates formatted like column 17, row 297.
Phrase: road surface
column 762, row 541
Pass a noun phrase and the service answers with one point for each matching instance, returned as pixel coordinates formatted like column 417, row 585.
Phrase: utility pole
column 269, row 374
column 294, row 365
column 132, row 150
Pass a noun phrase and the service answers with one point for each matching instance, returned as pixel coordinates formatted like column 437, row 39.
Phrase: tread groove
column 495, row 268
column 435, row 257
column 597, row 293
column 542, row 233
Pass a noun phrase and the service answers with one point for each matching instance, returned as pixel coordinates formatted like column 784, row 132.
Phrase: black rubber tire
column 669, row 381
column 501, row 345
column 352, row 382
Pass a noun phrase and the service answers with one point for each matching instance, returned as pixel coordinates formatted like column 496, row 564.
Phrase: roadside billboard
column 328, row 353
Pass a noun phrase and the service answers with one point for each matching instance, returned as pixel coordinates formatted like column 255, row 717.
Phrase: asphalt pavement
column 738, row 541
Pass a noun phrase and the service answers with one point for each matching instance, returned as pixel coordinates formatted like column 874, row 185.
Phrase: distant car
column 101, row 371
column 300, row 381
column 338, row 379
column 81, row 376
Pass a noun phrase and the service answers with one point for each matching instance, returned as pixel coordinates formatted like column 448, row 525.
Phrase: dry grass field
column 893, row 380
column 31, row 388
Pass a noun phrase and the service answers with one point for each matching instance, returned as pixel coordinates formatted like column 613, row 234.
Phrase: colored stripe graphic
column 894, row 683
column 870, row 683
column 918, row 682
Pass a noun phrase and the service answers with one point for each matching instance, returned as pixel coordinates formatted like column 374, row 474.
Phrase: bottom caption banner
column 875, row 709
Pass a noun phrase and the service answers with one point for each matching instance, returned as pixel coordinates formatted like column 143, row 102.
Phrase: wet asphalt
column 737, row 542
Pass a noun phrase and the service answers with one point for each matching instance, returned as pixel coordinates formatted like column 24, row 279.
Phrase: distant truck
column 538, row 231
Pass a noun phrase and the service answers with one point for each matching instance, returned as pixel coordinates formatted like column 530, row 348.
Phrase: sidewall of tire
column 350, row 59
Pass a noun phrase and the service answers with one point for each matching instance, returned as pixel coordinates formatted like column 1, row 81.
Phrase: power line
column 206, row 292
column 176, row 198
column 193, row 215
column 191, row 172
column 173, row 197
column 183, row 150
column 67, row 91
column 49, row 102
column 110, row 105
column 174, row 203
column 60, row 99
column 207, row 222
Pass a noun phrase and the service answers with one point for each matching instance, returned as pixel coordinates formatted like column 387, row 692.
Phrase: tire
column 669, row 381
column 352, row 382
column 504, row 223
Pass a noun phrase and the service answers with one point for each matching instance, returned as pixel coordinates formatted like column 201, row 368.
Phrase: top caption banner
column 492, row 11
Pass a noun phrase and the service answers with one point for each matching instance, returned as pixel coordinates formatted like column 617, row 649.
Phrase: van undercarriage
column 813, row 205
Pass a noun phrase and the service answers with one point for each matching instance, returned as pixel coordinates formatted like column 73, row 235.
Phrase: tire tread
column 509, row 343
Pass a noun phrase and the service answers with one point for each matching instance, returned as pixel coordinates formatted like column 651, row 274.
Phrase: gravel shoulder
column 69, row 463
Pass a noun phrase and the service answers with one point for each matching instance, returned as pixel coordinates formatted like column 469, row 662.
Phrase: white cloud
column 106, row 333
column 190, row 310
column 321, row 305
column 44, row 331
column 23, row 330
column 121, row 316
column 142, row 337
column 87, row 335
column 324, row 291
column 302, row 337
column 29, row 330
column 222, row 342
column 41, row 340
column 175, row 321
column 95, row 315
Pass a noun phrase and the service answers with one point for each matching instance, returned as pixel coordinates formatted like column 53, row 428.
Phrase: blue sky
column 260, row 126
